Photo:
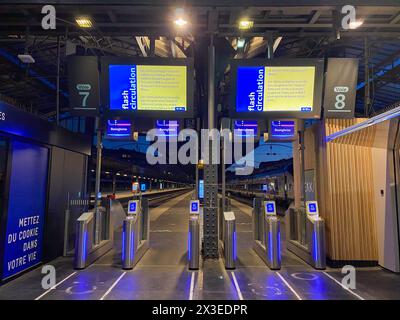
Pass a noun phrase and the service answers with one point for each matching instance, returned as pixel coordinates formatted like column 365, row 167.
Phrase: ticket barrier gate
column 135, row 232
column 93, row 239
column 305, row 231
column 228, row 243
column 266, row 233
column 194, row 235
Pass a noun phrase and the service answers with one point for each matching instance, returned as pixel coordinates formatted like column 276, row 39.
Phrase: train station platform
column 163, row 274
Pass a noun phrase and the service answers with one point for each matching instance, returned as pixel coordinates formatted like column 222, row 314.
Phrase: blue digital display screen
column 265, row 187
column 132, row 207
column 119, row 128
column 26, row 208
column 312, row 207
column 250, row 89
column 245, row 128
column 201, row 189
column 195, row 207
column 282, row 129
column 142, row 187
column 167, row 128
column 270, row 208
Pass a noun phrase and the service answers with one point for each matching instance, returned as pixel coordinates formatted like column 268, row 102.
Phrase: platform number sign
column 340, row 88
column 84, row 91
column 83, row 85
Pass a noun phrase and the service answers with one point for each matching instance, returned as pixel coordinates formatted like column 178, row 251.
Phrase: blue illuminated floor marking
column 55, row 286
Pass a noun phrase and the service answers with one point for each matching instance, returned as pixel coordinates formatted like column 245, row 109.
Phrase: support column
column 97, row 183
column 58, row 82
column 210, row 225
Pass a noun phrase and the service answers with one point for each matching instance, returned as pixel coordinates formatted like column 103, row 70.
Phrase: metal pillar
column 58, row 83
column 223, row 173
column 197, row 182
column 97, row 183
column 210, row 225
column 302, row 162
column 114, row 183
column 270, row 45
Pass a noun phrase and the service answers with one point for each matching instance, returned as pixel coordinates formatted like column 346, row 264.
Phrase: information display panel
column 167, row 128
column 150, row 87
column 282, row 130
column 245, row 128
column 119, row 129
column 277, row 88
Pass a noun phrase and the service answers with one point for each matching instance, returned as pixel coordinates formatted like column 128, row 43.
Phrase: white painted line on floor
column 112, row 286
column 289, row 286
column 237, row 286
column 344, row 287
column 54, row 287
column 192, row 286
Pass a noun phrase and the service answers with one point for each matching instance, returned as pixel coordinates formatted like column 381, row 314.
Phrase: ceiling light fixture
column 84, row 22
column 245, row 24
column 180, row 21
column 26, row 58
column 355, row 24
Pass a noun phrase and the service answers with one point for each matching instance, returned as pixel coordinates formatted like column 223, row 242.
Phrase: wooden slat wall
column 345, row 190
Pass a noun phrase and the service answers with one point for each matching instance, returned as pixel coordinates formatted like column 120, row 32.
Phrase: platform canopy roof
column 294, row 28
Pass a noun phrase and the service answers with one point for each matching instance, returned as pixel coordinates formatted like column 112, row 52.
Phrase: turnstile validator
column 228, row 243
column 93, row 240
column 306, row 234
column 266, row 233
column 194, row 235
column 135, row 233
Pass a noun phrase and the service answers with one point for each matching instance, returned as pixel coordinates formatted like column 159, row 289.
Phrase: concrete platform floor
column 163, row 274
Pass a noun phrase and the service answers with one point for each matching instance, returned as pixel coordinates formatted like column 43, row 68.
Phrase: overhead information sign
column 167, row 128
column 282, row 130
column 147, row 88
column 119, row 128
column 340, row 88
column 151, row 87
column 291, row 88
column 83, row 85
column 265, row 89
column 245, row 128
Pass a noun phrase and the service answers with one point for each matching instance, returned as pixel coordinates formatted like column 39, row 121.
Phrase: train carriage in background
column 274, row 180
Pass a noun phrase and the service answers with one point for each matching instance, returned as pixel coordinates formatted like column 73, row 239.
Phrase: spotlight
column 84, row 22
column 180, row 21
column 356, row 24
column 246, row 24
